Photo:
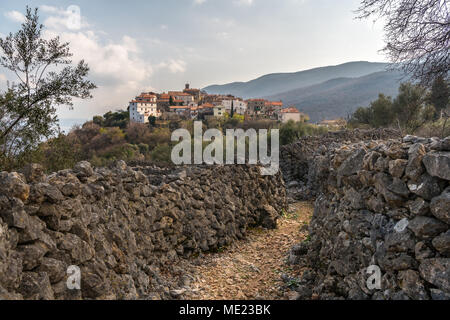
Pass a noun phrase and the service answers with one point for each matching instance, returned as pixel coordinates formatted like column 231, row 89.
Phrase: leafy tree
column 292, row 131
column 409, row 107
column 152, row 121
column 57, row 153
column 440, row 95
column 417, row 33
column 382, row 112
column 99, row 120
column 119, row 119
column 45, row 79
column 362, row 115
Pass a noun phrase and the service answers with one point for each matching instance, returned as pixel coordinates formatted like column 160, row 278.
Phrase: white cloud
column 223, row 35
column 2, row 78
column 15, row 16
column 173, row 65
column 198, row 2
column 64, row 19
column 243, row 3
column 116, row 67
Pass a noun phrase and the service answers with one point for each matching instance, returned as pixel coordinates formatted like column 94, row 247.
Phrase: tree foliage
column 407, row 112
column 417, row 35
column 440, row 96
column 46, row 79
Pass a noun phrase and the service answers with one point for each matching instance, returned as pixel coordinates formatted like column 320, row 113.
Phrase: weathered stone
column 437, row 272
column 34, row 172
column 268, row 217
column 422, row 251
column 437, row 294
column 55, row 269
column 414, row 168
column 83, row 169
column 32, row 255
column 13, row 185
column 412, row 285
column 397, row 167
column 438, row 164
column 440, row 207
column 426, row 227
column 352, row 164
column 418, row 207
column 36, row 286
column 399, row 242
column 442, row 243
column 79, row 250
column 426, row 187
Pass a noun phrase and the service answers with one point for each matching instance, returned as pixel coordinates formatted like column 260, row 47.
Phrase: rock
column 426, row 187
column 397, row 167
column 437, row 272
column 83, row 169
column 352, row 164
column 399, row 242
column 422, row 251
column 384, row 184
column 438, row 164
column 426, row 227
column 36, row 286
column 412, row 285
column 437, row 294
column 414, row 168
column 55, row 269
column 440, row 207
column 418, row 207
column 32, row 255
column 442, row 243
column 79, row 250
column 34, row 172
column 268, row 217
column 441, row 145
column 13, row 185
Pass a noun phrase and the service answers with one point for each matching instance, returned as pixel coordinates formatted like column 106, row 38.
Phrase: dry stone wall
column 122, row 225
column 297, row 159
column 380, row 203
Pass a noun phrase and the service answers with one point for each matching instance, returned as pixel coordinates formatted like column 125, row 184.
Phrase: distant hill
column 341, row 96
column 275, row 83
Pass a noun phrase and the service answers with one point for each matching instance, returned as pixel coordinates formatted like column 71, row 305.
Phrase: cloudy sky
column 141, row 45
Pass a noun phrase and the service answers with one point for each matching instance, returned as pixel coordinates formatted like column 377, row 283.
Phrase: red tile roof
column 290, row 110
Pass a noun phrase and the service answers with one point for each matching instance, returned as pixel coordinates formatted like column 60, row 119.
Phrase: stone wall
column 379, row 203
column 122, row 225
column 296, row 158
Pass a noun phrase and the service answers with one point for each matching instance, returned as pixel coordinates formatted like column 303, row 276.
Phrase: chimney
column 187, row 86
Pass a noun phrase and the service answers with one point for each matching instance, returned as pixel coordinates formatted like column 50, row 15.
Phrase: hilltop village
column 199, row 105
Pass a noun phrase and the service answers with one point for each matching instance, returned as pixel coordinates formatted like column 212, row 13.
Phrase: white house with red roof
column 142, row 107
column 290, row 113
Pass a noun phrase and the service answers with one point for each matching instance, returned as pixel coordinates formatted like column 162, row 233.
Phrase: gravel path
column 252, row 268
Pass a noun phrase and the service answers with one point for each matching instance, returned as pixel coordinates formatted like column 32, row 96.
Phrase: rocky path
column 252, row 268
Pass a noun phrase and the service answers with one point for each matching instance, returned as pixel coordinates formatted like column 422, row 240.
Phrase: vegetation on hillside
column 416, row 109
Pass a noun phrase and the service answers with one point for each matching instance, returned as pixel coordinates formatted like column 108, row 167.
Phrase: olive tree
column 45, row 79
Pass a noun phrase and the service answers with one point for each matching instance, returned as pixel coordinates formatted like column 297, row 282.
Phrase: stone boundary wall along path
column 122, row 226
column 382, row 203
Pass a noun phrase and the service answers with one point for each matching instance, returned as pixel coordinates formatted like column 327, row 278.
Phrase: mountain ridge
column 323, row 93
column 273, row 83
